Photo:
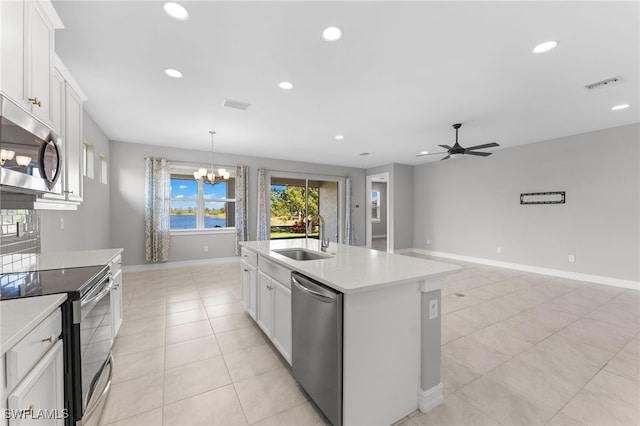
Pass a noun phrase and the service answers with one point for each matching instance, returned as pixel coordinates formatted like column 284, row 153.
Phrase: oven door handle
column 89, row 398
column 106, row 288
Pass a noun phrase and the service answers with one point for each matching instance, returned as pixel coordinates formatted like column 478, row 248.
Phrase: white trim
column 181, row 264
column 430, row 398
column 598, row 279
column 379, row 236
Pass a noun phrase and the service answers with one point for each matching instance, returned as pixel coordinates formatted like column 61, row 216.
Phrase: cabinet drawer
column 30, row 349
column 250, row 257
column 275, row 271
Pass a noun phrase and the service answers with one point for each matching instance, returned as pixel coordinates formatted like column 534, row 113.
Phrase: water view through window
column 191, row 198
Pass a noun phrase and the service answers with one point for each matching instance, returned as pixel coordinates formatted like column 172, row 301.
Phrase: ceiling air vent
column 604, row 83
column 230, row 103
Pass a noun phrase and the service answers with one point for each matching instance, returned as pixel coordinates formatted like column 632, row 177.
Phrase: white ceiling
column 401, row 75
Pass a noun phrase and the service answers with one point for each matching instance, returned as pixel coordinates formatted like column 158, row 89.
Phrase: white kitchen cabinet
column 249, row 288
column 116, row 295
column 27, row 34
column 41, row 392
column 264, row 314
column 73, row 138
column 282, row 319
column 67, row 100
column 33, row 370
column 274, row 312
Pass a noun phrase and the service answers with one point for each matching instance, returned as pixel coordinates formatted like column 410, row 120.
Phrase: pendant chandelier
column 201, row 173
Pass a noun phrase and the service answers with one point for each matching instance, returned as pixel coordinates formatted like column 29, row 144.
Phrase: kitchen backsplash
column 19, row 238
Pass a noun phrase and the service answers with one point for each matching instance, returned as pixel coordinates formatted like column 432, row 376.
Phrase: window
column 200, row 205
column 104, row 172
column 375, row 206
column 87, row 159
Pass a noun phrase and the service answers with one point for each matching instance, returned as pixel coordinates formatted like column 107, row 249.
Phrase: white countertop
column 353, row 269
column 62, row 259
column 19, row 316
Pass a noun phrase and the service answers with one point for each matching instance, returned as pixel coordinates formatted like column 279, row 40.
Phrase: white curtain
column 157, row 193
column 263, row 211
column 348, row 234
column 242, row 227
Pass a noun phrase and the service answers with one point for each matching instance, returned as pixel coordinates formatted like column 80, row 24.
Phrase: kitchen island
column 391, row 322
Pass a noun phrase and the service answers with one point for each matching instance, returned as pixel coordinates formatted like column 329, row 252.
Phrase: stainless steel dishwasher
column 316, row 314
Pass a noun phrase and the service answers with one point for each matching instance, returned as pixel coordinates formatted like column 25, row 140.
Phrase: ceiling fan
column 456, row 150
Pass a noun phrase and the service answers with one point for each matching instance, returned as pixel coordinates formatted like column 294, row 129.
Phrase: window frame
column 186, row 172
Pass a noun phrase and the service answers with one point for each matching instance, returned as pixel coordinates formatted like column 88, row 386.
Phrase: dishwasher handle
column 327, row 298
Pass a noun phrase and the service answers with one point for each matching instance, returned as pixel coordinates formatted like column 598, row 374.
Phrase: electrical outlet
column 428, row 242
column 499, row 250
column 61, row 223
column 572, row 258
column 206, row 249
column 433, row 309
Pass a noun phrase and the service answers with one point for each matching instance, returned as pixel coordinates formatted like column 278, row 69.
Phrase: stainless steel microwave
column 30, row 152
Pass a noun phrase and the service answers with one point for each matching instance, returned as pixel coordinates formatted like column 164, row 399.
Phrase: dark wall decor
column 557, row 197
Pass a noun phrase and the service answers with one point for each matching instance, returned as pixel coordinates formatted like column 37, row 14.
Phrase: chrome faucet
column 324, row 243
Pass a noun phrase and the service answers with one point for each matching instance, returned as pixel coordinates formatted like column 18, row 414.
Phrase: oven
column 87, row 333
column 89, row 346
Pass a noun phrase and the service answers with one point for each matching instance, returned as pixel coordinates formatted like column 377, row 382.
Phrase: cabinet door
column 265, row 303
column 282, row 319
column 249, row 288
column 73, row 144
column 12, row 50
column 41, row 392
column 39, row 60
column 116, row 302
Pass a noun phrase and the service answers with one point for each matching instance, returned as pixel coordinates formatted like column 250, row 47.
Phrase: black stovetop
column 73, row 281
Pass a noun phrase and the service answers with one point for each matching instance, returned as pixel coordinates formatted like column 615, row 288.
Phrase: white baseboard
column 379, row 236
column 430, row 398
column 598, row 279
column 181, row 264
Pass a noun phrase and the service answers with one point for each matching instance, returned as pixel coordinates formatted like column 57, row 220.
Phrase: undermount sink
column 302, row 254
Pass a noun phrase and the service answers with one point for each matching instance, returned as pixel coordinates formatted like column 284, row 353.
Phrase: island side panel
column 381, row 371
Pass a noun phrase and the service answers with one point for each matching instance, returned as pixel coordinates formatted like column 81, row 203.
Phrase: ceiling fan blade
column 448, row 156
column 482, row 154
column 486, row 145
column 447, row 147
column 431, row 153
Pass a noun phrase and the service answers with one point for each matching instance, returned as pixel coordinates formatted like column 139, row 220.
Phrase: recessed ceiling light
column 173, row 73
column 332, row 34
column 285, row 85
column 176, row 11
column 545, row 47
column 619, row 107
column 424, row 152
column 339, row 137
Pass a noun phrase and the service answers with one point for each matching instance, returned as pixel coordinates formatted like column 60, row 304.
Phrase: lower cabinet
column 116, row 303
column 40, row 395
column 249, row 288
column 274, row 312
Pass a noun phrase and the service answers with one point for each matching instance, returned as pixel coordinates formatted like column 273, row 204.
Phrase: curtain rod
column 189, row 163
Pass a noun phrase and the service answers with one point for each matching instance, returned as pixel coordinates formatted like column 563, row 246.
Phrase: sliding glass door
column 295, row 204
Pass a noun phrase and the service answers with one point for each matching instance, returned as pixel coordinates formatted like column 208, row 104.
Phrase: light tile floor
column 517, row 349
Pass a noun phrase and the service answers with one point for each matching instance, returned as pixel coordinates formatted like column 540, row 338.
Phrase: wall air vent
column 604, row 83
column 230, row 103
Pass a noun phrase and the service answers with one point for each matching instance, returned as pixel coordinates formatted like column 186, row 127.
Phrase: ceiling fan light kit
column 457, row 151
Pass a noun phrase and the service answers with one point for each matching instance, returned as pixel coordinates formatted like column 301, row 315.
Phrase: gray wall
column 470, row 206
column 380, row 228
column 89, row 227
column 127, row 198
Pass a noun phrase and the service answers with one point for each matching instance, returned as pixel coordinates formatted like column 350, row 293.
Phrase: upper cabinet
column 27, row 52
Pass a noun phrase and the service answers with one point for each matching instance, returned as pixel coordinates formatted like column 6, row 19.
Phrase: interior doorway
column 379, row 213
